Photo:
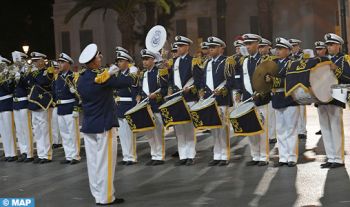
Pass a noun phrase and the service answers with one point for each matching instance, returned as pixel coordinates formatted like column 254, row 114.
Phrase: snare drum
column 140, row 118
column 340, row 92
column 309, row 81
column 246, row 120
column 174, row 112
column 205, row 114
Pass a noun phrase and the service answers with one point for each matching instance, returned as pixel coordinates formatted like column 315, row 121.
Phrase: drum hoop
column 132, row 110
column 253, row 106
column 203, row 107
column 164, row 105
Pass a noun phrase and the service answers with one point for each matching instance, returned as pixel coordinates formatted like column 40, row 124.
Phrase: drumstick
column 180, row 91
column 146, row 99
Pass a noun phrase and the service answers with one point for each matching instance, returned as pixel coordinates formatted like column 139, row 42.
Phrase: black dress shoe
column 326, row 165
column 74, row 161
column 280, row 164
column 223, row 163
column 4, row 159
column 213, row 162
column 319, row 132
column 302, row 136
column 12, row 159
column 262, row 163
column 273, row 141
column 65, row 162
column 158, row 162
column 22, row 157
column 251, row 163
column 181, row 162
column 175, row 154
column 36, row 160
column 292, row 164
column 189, row 162
column 44, row 161
column 28, row 160
column 116, row 201
column 130, row 163
column 336, row 165
column 149, row 163
column 123, row 162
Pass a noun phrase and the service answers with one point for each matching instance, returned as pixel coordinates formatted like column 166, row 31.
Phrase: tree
column 127, row 11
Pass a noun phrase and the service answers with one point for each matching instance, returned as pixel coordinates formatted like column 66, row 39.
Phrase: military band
column 41, row 102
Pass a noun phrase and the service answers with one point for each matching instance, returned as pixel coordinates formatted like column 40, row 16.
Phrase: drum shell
column 207, row 117
column 177, row 113
column 141, row 120
column 248, row 124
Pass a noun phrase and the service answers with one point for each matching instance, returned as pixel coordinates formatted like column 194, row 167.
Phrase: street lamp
column 25, row 48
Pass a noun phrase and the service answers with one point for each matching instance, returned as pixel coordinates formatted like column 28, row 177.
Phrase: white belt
column 5, row 97
column 119, row 99
column 15, row 99
column 67, row 101
column 279, row 90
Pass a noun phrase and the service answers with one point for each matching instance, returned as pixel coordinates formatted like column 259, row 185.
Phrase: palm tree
column 127, row 11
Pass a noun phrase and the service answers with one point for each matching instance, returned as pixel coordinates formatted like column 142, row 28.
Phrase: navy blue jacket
column 21, row 90
column 42, row 79
column 61, row 91
column 99, row 109
column 6, row 88
column 279, row 100
column 218, row 71
column 127, row 91
column 185, row 71
column 155, row 81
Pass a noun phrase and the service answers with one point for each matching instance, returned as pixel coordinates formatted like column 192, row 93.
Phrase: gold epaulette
column 347, row 58
column 75, row 76
column 55, row 76
column 163, row 72
column 241, row 60
column 170, row 63
column 196, row 61
column 230, row 60
column 50, row 70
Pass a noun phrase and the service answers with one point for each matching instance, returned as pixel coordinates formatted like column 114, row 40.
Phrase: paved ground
column 199, row 185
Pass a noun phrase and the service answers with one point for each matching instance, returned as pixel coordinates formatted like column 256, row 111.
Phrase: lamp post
column 25, row 48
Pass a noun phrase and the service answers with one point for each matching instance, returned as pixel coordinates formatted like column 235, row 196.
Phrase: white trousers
column 259, row 144
column 302, row 120
column 56, row 136
column 69, row 130
column 24, row 131
column 41, row 121
column 156, row 139
column 272, row 121
column 127, row 141
column 101, row 158
column 222, row 150
column 332, row 127
column 287, row 133
column 186, row 140
column 7, row 131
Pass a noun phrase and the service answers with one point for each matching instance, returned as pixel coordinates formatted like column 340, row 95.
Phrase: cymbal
column 265, row 68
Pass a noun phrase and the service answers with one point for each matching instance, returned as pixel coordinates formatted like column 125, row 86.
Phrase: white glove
column 113, row 69
column 72, row 90
column 75, row 114
column 17, row 76
column 34, row 69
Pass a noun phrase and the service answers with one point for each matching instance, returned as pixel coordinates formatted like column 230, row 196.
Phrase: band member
column 236, row 70
column 213, row 76
column 67, row 110
column 180, row 74
column 287, row 110
column 265, row 49
column 259, row 143
column 321, row 51
column 56, row 136
column 174, row 54
column 153, row 79
column 331, row 114
column 297, row 54
column 204, row 51
column 99, row 123
column 126, row 99
column 6, row 114
column 21, row 113
column 40, row 99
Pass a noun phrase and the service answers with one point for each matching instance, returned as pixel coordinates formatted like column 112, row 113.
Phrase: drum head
column 136, row 108
column 321, row 80
column 156, row 38
column 171, row 102
column 202, row 104
column 340, row 94
column 241, row 110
